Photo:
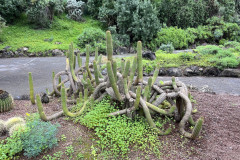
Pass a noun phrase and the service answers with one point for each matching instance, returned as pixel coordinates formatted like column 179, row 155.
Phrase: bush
column 167, row 47
column 107, row 13
column 93, row 7
column 41, row 13
column 225, row 59
column 209, row 50
column 138, row 19
column 39, row 136
column 11, row 9
column 74, row 9
column 178, row 37
column 231, row 44
column 182, row 13
column 94, row 37
column 2, row 25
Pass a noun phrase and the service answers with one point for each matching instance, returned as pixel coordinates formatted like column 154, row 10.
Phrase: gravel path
column 14, row 76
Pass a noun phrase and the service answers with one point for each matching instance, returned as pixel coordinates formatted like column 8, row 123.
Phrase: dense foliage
column 37, row 137
column 74, row 9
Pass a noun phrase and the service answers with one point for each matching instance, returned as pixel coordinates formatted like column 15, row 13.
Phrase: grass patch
column 63, row 30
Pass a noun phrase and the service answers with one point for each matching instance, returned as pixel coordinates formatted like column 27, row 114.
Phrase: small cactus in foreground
column 6, row 101
column 2, row 127
column 17, row 127
column 12, row 121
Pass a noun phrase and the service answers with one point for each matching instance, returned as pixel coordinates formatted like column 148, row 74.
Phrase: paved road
column 14, row 76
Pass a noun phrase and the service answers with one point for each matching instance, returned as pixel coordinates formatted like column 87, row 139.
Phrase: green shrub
column 209, row 50
column 93, row 7
column 94, row 37
column 40, row 13
column 39, row 136
column 178, row 37
column 231, row 44
column 107, row 13
column 138, row 19
column 167, row 47
column 182, row 13
column 225, row 59
column 74, row 9
column 11, row 9
column 186, row 56
column 2, row 25
column 11, row 146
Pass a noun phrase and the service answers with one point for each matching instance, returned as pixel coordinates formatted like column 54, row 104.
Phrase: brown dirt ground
column 219, row 140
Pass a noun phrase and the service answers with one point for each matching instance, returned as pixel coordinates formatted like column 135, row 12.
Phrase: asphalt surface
column 14, row 76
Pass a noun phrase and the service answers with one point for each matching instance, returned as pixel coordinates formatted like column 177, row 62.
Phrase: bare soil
column 219, row 140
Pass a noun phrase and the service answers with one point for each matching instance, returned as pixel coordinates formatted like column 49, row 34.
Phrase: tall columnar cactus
column 30, row 79
column 122, row 86
column 6, row 101
column 139, row 62
column 109, row 46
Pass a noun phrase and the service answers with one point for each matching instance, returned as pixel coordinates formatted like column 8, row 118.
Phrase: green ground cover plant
column 32, row 140
column 63, row 30
column 116, row 136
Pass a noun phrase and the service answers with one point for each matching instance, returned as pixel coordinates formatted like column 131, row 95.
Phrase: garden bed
column 219, row 138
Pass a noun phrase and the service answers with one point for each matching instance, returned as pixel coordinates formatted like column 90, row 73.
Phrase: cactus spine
column 32, row 98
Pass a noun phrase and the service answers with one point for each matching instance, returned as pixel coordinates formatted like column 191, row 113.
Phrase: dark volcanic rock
column 211, row 71
column 44, row 98
column 230, row 73
column 174, row 72
column 149, row 55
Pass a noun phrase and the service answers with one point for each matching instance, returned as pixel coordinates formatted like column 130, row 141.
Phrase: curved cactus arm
column 160, row 99
column 174, row 84
column 87, row 62
column 139, row 63
column 79, row 60
column 186, row 117
column 40, row 109
column 191, row 121
column 155, row 74
column 64, row 104
column 147, row 113
column 96, row 72
column 109, row 46
column 32, row 98
column 42, row 114
column 133, row 70
column 197, row 128
column 113, row 82
column 124, row 111
column 161, row 111
column 99, row 60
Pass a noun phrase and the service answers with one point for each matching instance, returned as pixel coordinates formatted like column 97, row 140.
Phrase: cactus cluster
column 137, row 95
column 6, row 101
column 11, row 125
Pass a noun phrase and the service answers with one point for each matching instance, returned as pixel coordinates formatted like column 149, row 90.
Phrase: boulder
column 57, row 52
column 230, row 73
column 122, row 50
column 149, row 55
column 176, row 72
column 191, row 71
column 211, row 71
column 162, row 72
